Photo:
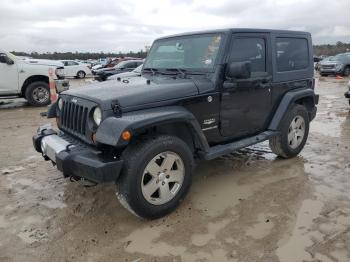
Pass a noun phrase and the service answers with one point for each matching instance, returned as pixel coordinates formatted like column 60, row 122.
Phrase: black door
column 246, row 103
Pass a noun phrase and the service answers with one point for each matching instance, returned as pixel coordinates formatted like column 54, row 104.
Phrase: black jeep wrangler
column 201, row 95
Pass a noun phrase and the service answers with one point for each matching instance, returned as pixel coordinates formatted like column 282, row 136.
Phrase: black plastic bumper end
column 88, row 166
column 347, row 94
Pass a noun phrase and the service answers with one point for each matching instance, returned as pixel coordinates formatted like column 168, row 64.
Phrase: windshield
column 341, row 57
column 187, row 52
column 12, row 56
column 121, row 64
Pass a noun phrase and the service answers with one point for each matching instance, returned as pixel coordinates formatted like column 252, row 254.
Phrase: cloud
column 124, row 25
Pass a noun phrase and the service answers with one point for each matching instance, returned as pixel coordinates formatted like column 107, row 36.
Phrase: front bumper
column 61, row 85
column 101, row 77
column 331, row 70
column 75, row 158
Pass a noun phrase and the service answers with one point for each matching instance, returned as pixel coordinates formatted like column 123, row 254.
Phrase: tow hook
column 84, row 182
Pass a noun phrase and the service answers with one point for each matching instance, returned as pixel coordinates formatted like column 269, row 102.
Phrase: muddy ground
column 247, row 206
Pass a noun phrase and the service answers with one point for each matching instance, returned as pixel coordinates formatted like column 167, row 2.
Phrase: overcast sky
column 124, row 25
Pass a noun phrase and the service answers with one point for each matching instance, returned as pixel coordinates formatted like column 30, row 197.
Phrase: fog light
column 126, row 135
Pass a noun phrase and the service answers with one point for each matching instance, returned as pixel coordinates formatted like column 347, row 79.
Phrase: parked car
column 323, row 60
column 347, row 94
column 29, row 78
column 339, row 64
column 87, row 63
column 75, row 69
column 124, row 66
column 201, row 95
column 135, row 72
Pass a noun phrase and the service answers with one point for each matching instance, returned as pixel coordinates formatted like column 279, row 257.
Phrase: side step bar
column 220, row 150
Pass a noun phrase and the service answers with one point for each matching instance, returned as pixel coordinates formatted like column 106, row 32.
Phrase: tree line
column 325, row 49
column 79, row 55
column 331, row 50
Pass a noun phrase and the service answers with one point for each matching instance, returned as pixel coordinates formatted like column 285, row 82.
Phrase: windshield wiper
column 179, row 70
column 185, row 72
column 150, row 69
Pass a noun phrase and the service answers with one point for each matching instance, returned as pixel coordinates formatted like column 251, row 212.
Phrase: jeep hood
column 136, row 91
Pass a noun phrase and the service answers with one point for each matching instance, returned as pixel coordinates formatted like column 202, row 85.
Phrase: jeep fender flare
column 111, row 129
column 288, row 99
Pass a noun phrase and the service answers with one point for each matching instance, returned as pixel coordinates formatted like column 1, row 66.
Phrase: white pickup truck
column 29, row 78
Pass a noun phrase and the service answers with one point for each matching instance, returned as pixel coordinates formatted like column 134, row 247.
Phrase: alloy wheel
column 296, row 132
column 162, row 178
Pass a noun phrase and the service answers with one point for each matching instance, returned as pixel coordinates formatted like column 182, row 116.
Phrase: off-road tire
column 136, row 157
column 30, row 96
column 81, row 74
column 279, row 144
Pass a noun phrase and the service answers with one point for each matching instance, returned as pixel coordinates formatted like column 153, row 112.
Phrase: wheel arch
column 175, row 120
column 307, row 101
column 180, row 129
column 32, row 79
column 305, row 97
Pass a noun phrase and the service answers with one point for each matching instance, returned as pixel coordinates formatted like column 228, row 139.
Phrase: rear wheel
column 38, row 94
column 81, row 74
column 294, row 130
column 156, row 176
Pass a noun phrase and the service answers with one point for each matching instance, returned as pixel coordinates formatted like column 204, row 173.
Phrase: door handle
column 264, row 85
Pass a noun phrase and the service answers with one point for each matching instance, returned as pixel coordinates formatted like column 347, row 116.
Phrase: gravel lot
column 247, row 206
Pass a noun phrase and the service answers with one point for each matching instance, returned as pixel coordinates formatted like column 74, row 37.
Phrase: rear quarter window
column 291, row 54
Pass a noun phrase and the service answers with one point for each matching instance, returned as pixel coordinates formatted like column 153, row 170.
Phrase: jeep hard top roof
column 239, row 30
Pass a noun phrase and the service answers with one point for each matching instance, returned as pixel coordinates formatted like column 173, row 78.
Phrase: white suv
column 29, row 78
column 75, row 69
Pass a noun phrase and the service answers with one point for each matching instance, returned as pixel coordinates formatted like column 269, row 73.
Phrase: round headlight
column 60, row 104
column 97, row 116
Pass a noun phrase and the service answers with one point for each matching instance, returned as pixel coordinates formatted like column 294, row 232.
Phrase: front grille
column 73, row 118
column 327, row 66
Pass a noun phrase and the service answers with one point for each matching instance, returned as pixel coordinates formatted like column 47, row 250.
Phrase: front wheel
column 346, row 71
column 156, row 176
column 38, row 94
column 81, row 74
column 294, row 130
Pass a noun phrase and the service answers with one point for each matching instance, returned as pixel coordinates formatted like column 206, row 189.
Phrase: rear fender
column 289, row 99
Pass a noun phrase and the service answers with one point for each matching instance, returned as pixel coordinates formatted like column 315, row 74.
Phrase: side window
column 251, row 49
column 71, row 63
column 291, row 54
column 130, row 65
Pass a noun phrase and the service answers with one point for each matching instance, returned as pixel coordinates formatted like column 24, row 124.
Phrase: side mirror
column 239, row 70
column 3, row 58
